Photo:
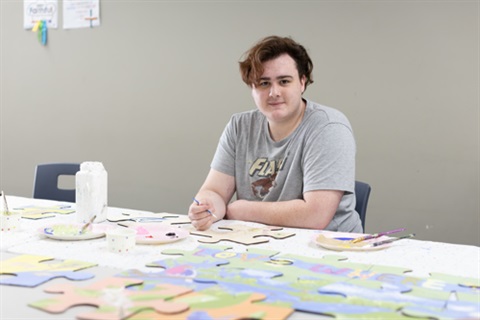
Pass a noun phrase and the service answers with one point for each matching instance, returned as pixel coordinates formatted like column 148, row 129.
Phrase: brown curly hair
column 271, row 47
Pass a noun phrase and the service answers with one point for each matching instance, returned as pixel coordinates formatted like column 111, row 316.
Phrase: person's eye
column 284, row 82
column 263, row 84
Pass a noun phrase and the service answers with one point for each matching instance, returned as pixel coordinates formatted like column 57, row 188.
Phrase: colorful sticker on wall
column 35, row 11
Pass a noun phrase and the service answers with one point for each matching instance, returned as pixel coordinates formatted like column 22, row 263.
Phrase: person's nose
column 274, row 91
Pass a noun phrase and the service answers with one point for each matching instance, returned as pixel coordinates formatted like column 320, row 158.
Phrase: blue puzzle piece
column 33, row 279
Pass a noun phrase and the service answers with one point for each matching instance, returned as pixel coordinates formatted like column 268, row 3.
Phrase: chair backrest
column 362, row 193
column 46, row 186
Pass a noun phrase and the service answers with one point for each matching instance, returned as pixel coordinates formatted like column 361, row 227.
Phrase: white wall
column 149, row 92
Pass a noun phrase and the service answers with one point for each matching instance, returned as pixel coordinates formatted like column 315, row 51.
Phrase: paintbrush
column 86, row 225
column 379, row 243
column 376, row 235
column 198, row 202
column 5, row 205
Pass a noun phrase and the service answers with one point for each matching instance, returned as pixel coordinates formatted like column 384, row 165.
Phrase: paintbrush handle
column 379, row 243
column 5, row 203
column 87, row 224
column 390, row 232
column 211, row 213
column 376, row 235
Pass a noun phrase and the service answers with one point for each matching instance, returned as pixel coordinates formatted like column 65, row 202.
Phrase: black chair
column 362, row 193
column 45, row 185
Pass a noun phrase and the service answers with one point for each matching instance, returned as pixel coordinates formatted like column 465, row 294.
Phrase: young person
column 291, row 161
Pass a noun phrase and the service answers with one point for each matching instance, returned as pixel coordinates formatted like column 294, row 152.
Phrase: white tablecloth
column 421, row 257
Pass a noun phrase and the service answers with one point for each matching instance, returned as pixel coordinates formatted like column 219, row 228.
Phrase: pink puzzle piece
column 115, row 299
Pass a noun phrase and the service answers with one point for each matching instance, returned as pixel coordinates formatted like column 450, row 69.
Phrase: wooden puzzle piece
column 31, row 270
column 128, row 219
column 241, row 234
column 214, row 303
column 39, row 212
column 115, row 298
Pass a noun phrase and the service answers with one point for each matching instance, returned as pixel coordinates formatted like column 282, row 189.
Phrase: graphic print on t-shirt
column 266, row 170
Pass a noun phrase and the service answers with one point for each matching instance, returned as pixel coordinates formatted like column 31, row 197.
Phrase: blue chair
column 45, row 185
column 362, row 193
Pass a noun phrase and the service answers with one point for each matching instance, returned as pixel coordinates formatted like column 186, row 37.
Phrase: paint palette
column 71, row 231
column 148, row 233
column 332, row 243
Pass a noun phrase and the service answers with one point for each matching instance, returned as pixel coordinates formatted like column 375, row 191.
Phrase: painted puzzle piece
column 190, row 262
column 39, row 212
column 31, row 270
column 114, row 298
column 412, row 306
column 463, row 302
column 312, row 284
column 214, row 303
column 128, row 219
column 279, row 278
column 251, row 271
column 331, row 270
column 241, row 234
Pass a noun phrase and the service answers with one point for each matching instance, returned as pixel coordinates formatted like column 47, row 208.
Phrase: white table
column 421, row 257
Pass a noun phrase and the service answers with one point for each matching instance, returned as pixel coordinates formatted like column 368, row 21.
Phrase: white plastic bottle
column 91, row 185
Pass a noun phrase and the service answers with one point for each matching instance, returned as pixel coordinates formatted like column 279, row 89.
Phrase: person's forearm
column 299, row 213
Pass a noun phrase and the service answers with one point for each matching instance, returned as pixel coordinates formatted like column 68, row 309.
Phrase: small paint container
column 121, row 240
column 10, row 221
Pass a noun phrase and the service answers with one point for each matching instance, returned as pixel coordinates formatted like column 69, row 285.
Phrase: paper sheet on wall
column 39, row 10
column 81, row 14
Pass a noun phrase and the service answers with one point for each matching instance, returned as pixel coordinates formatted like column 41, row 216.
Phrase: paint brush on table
column 86, row 225
column 376, row 235
column 380, row 243
column 198, row 202
column 5, row 205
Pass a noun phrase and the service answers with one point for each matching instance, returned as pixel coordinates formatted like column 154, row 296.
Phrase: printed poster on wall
column 81, row 14
column 40, row 10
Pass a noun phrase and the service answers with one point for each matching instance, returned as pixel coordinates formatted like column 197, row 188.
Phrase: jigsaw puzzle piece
column 129, row 219
column 411, row 305
column 39, row 212
column 214, row 303
column 461, row 297
column 189, row 262
column 460, row 311
column 241, row 234
column 150, row 279
column 32, row 270
column 115, row 298
column 465, row 284
column 33, row 279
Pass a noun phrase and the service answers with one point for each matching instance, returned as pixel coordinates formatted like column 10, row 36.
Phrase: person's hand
column 201, row 214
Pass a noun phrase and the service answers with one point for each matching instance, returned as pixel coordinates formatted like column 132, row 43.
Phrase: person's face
column 278, row 93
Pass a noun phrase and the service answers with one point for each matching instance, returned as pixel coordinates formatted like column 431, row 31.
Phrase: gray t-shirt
column 318, row 155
